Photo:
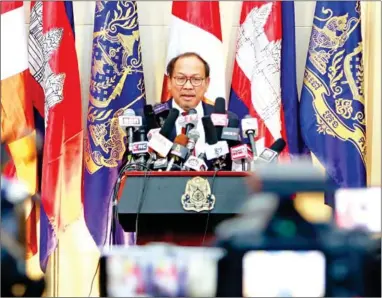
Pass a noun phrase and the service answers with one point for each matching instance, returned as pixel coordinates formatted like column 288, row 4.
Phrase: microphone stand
column 243, row 165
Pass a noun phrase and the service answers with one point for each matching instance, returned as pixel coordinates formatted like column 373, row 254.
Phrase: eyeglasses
column 181, row 81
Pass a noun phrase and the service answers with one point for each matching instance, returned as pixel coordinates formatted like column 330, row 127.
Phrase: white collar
column 199, row 108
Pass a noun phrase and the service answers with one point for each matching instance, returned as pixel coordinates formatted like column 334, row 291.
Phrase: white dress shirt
column 199, row 146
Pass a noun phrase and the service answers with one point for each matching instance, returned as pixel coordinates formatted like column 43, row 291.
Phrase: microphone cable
column 140, row 203
column 127, row 167
column 209, row 209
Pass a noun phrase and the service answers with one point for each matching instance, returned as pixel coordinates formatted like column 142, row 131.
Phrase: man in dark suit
column 187, row 84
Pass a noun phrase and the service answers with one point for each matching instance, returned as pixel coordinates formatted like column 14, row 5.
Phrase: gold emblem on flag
column 335, row 77
column 197, row 196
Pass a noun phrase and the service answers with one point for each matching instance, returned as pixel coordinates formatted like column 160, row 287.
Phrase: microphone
column 151, row 121
column 219, row 117
column 161, row 111
column 169, row 124
column 129, row 121
column 214, row 149
column 179, row 151
column 160, row 142
column 189, row 121
column 140, row 149
column 269, row 155
column 152, row 132
column 195, row 163
column 242, row 153
column 250, row 127
column 231, row 133
column 160, row 164
column 193, row 136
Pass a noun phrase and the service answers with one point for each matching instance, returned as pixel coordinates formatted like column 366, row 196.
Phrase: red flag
column 256, row 78
column 17, row 123
column 54, row 67
column 196, row 28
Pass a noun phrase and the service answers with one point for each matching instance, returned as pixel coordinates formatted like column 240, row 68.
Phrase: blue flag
column 289, row 94
column 332, row 101
column 116, row 85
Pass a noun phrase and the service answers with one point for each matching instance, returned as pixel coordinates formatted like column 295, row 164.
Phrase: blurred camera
column 14, row 281
column 272, row 251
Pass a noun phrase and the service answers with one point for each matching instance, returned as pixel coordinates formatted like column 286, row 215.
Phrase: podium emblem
column 197, row 196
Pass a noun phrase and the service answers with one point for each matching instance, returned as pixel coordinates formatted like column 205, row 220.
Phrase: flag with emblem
column 17, row 121
column 196, row 27
column 332, row 100
column 117, row 84
column 56, row 95
column 264, row 75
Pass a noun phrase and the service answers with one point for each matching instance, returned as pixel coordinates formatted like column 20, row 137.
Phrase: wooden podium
column 179, row 207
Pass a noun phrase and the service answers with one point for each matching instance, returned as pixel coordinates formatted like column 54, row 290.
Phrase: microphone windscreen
column 192, row 111
column 209, row 130
column 233, row 121
column 219, row 107
column 151, row 121
column 129, row 112
column 278, row 145
column 148, row 109
column 181, row 139
column 169, row 124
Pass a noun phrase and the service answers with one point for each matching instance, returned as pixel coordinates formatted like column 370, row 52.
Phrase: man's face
column 188, row 83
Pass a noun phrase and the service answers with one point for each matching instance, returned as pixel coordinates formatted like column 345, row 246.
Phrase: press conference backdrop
column 77, row 247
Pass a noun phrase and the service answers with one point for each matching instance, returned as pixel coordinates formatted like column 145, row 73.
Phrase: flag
column 289, row 94
column 332, row 99
column 117, row 84
column 17, row 120
column 195, row 27
column 57, row 100
column 256, row 79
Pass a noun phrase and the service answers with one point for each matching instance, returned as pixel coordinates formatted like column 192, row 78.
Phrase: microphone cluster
column 152, row 143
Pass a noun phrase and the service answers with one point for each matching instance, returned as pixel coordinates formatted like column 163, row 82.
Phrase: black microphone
column 169, row 124
column 161, row 110
column 140, row 148
column 249, row 126
column 231, row 133
column 214, row 149
column 219, row 116
column 151, row 121
column 269, row 155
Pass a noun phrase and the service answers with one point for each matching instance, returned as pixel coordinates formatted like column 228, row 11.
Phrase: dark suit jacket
column 208, row 110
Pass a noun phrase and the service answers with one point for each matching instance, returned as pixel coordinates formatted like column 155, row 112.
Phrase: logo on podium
column 197, row 196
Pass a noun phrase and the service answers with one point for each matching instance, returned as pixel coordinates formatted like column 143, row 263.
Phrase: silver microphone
column 193, row 136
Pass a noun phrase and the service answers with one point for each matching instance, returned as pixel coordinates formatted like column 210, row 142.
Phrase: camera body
column 293, row 258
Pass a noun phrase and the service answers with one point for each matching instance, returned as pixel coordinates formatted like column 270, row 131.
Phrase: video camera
column 14, row 281
column 272, row 251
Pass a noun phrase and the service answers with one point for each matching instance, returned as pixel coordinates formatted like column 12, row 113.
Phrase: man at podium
column 187, row 83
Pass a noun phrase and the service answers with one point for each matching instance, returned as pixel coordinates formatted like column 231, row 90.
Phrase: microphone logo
column 160, row 108
column 241, row 152
column 139, row 147
column 196, row 164
column 130, row 121
column 218, row 150
column 219, row 119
